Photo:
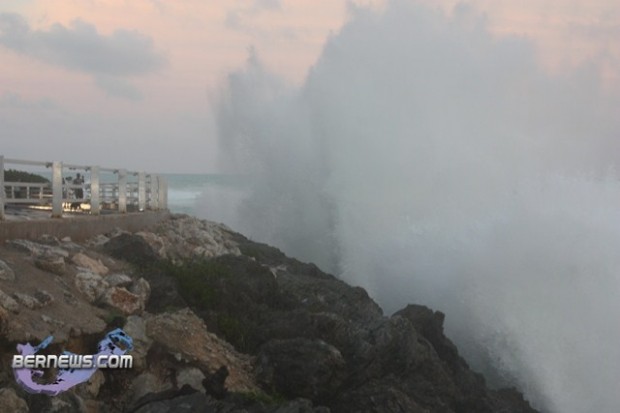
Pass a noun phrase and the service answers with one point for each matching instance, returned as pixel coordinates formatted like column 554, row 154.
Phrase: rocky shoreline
column 224, row 324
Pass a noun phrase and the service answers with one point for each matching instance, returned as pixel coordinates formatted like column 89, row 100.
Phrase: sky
column 131, row 83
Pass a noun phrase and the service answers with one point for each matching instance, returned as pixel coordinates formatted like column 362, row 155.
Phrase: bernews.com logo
column 72, row 369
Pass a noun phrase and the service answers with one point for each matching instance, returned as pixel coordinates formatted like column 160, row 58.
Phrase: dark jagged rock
column 68, row 402
column 131, row 248
column 429, row 323
column 299, row 406
column 509, row 401
column 201, row 403
column 301, row 367
column 377, row 396
column 194, row 402
column 401, row 363
column 167, row 395
column 164, row 293
column 215, row 383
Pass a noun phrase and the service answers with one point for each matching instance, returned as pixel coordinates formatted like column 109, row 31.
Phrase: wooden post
column 56, row 189
column 95, row 204
column 141, row 191
column 2, row 193
column 122, row 191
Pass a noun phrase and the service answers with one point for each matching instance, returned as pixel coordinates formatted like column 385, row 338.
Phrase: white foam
column 432, row 162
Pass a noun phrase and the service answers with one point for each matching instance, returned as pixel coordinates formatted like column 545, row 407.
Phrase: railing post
column 2, row 192
column 147, row 190
column 95, row 204
column 165, row 206
column 141, row 191
column 56, row 189
column 156, row 192
column 153, row 190
column 122, row 191
column 161, row 192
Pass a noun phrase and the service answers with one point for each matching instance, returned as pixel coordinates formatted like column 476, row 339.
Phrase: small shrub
column 232, row 328
column 197, row 280
column 115, row 319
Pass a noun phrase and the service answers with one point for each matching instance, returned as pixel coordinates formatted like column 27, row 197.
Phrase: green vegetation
column 114, row 318
column 233, row 330
column 196, row 280
column 13, row 175
column 206, row 286
column 235, row 295
column 261, row 252
column 252, row 250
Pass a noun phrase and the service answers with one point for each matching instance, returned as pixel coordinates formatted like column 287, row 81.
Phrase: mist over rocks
column 244, row 328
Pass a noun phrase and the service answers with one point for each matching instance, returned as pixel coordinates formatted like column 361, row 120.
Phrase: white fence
column 134, row 191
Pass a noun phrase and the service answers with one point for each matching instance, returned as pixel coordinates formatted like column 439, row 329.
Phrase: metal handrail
column 148, row 192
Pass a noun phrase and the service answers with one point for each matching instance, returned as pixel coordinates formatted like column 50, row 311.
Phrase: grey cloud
column 267, row 5
column 233, row 20
column 236, row 19
column 159, row 5
column 80, row 47
column 118, row 87
column 13, row 31
column 10, row 100
column 130, row 140
column 240, row 20
column 598, row 30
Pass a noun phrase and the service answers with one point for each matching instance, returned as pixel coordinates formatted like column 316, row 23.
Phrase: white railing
column 135, row 191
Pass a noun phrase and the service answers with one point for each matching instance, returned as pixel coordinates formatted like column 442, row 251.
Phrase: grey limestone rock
column 51, row 263
column 142, row 289
column 6, row 272
column 84, row 261
column 11, row 402
column 37, row 249
column 7, row 302
column 92, row 285
column 27, row 300
column 119, row 280
column 43, row 297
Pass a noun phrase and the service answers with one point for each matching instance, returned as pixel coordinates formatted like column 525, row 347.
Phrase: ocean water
column 207, row 196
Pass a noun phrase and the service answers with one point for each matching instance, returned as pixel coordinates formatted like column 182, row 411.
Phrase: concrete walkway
column 26, row 223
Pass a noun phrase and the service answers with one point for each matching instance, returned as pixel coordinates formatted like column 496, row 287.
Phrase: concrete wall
column 79, row 228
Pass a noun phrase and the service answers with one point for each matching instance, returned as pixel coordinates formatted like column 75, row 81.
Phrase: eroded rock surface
column 185, row 335
column 6, row 272
column 91, row 264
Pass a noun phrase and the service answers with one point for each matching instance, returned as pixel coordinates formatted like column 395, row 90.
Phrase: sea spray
column 432, row 162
